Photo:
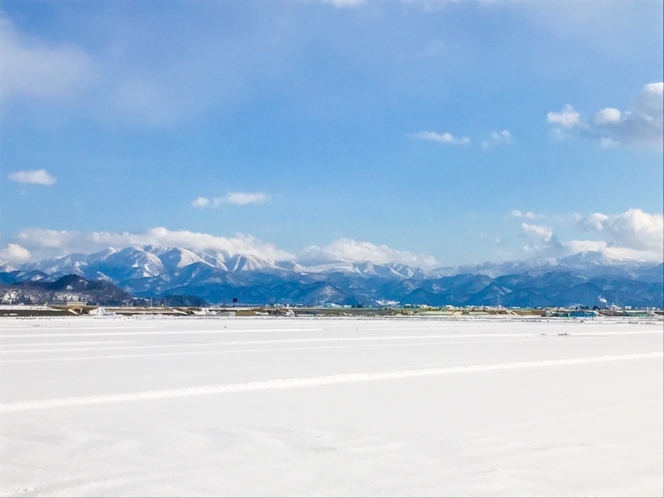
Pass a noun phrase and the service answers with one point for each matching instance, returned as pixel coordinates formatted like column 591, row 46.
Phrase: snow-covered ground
column 330, row 407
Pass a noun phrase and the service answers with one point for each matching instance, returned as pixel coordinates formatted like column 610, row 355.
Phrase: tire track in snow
column 265, row 385
column 77, row 326
column 163, row 332
column 209, row 351
column 102, row 344
column 222, row 332
column 264, row 342
column 44, row 346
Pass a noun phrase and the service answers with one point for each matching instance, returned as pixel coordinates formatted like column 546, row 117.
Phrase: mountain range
column 218, row 276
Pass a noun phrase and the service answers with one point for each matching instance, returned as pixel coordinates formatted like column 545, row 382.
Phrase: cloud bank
column 353, row 250
column 634, row 234
column 67, row 241
column 642, row 124
column 633, row 228
column 40, row 243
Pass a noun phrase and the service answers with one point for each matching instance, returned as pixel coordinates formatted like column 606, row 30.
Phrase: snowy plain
column 279, row 406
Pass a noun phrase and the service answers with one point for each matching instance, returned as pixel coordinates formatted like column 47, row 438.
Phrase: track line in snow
column 223, row 332
column 78, row 326
column 166, row 332
column 7, row 347
column 326, row 380
column 209, row 351
column 279, row 341
column 304, row 340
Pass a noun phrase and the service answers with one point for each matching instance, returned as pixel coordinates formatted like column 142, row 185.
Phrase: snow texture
column 425, row 407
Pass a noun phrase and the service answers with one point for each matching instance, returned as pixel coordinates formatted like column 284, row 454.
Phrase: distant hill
column 68, row 288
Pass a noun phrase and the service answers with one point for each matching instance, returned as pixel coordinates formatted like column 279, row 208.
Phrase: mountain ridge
column 218, row 276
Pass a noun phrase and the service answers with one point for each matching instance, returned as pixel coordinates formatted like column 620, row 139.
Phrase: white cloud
column 200, row 202
column 56, row 239
column 607, row 143
column 634, row 229
column 47, row 243
column 568, row 117
column 520, row 214
column 38, row 176
column 612, row 252
column 577, row 246
column 642, row 124
column 352, row 250
column 608, row 115
column 14, row 253
column 33, row 69
column 537, row 231
column 65, row 242
column 243, row 198
column 497, row 138
column 344, row 3
column 649, row 99
column 444, row 138
column 633, row 234
column 234, row 198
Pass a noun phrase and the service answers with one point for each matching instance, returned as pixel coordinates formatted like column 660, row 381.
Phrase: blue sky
column 434, row 133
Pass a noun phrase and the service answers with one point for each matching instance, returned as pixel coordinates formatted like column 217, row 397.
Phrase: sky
column 431, row 133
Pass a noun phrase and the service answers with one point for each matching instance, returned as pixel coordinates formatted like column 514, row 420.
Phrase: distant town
column 71, row 309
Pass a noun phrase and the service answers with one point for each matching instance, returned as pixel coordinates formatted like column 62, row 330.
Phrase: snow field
column 330, row 407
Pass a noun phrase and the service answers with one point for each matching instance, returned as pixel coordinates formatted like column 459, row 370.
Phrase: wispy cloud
column 244, row 198
column 233, row 198
column 41, row 243
column 37, row 176
column 33, row 69
column 497, row 138
column 68, row 241
column 131, row 80
column 516, row 213
column 344, row 3
column 642, row 124
column 436, row 47
column 443, row 138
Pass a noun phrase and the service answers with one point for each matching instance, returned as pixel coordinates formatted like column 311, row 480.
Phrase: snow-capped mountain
column 218, row 276
column 146, row 261
column 151, row 261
